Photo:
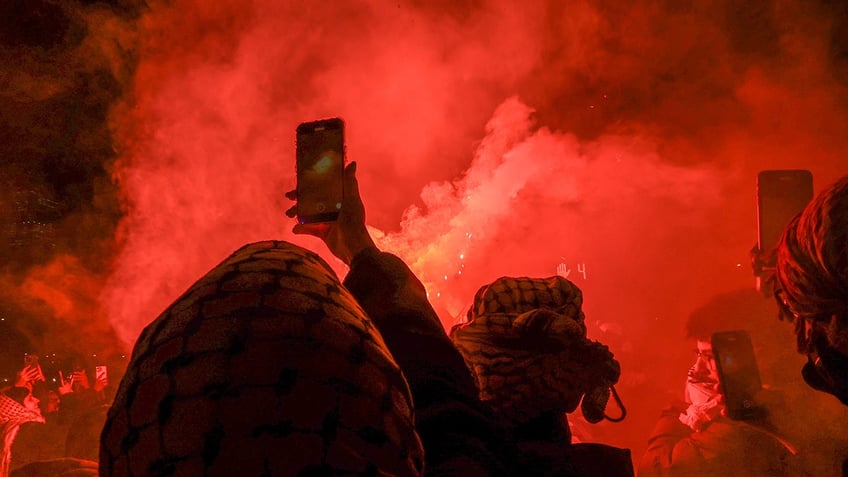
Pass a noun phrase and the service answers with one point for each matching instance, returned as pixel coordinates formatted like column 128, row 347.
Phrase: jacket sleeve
column 460, row 434
column 725, row 447
column 667, row 439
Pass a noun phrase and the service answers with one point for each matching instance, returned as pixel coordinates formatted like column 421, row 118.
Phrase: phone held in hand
column 781, row 195
column 100, row 373
column 738, row 373
column 320, row 170
column 30, row 359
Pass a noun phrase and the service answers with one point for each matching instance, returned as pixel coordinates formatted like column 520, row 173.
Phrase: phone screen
column 738, row 372
column 30, row 359
column 320, row 170
column 100, row 373
column 781, row 195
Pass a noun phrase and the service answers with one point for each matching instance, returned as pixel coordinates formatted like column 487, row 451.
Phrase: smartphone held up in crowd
column 320, row 170
column 30, row 359
column 738, row 373
column 100, row 373
column 781, row 195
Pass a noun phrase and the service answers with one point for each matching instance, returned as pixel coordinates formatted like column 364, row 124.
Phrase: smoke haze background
column 145, row 141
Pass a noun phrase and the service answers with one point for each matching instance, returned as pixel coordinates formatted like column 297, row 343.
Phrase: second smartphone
column 738, row 373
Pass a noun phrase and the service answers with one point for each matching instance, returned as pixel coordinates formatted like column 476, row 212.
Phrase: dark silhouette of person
column 265, row 366
column 525, row 342
column 18, row 407
column 812, row 287
column 695, row 437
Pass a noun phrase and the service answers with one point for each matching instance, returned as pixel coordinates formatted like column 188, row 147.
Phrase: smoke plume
column 145, row 141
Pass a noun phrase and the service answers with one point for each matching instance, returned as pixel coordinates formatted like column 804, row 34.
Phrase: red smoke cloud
column 65, row 291
column 493, row 139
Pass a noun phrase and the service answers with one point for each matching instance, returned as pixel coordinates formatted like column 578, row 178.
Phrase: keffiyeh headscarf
column 13, row 412
column 525, row 342
column 12, row 415
column 812, row 268
column 266, row 366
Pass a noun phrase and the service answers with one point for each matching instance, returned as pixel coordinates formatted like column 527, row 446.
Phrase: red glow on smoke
column 67, row 293
column 492, row 139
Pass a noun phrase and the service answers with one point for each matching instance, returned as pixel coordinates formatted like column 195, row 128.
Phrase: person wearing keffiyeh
column 812, row 287
column 530, row 332
column 17, row 406
column 525, row 342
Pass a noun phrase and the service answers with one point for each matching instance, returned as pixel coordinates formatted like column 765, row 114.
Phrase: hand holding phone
column 80, row 378
column 30, row 373
column 781, row 195
column 30, row 360
column 27, row 376
column 320, row 169
column 101, row 378
column 346, row 236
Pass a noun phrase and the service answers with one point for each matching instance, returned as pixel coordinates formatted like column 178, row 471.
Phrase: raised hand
column 100, row 383
column 65, row 385
column 28, row 375
column 80, row 378
column 347, row 236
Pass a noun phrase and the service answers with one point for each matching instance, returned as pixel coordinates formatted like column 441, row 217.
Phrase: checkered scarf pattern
column 12, row 415
column 266, row 366
column 525, row 342
column 13, row 412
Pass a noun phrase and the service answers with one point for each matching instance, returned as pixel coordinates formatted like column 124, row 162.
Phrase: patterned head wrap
column 12, row 415
column 266, row 366
column 525, row 342
column 15, row 413
column 812, row 268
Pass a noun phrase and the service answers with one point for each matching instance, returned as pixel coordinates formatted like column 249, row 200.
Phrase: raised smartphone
column 737, row 372
column 781, row 195
column 320, row 170
column 30, row 359
column 100, row 373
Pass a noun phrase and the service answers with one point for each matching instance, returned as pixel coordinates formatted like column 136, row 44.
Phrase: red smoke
column 493, row 139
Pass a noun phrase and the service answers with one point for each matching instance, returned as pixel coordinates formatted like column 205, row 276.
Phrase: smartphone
column 100, row 373
column 320, row 170
column 737, row 372
column 30, row 360
column 781, row 195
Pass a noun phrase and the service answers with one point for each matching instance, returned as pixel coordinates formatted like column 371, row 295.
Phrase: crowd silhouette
column 271, row 365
